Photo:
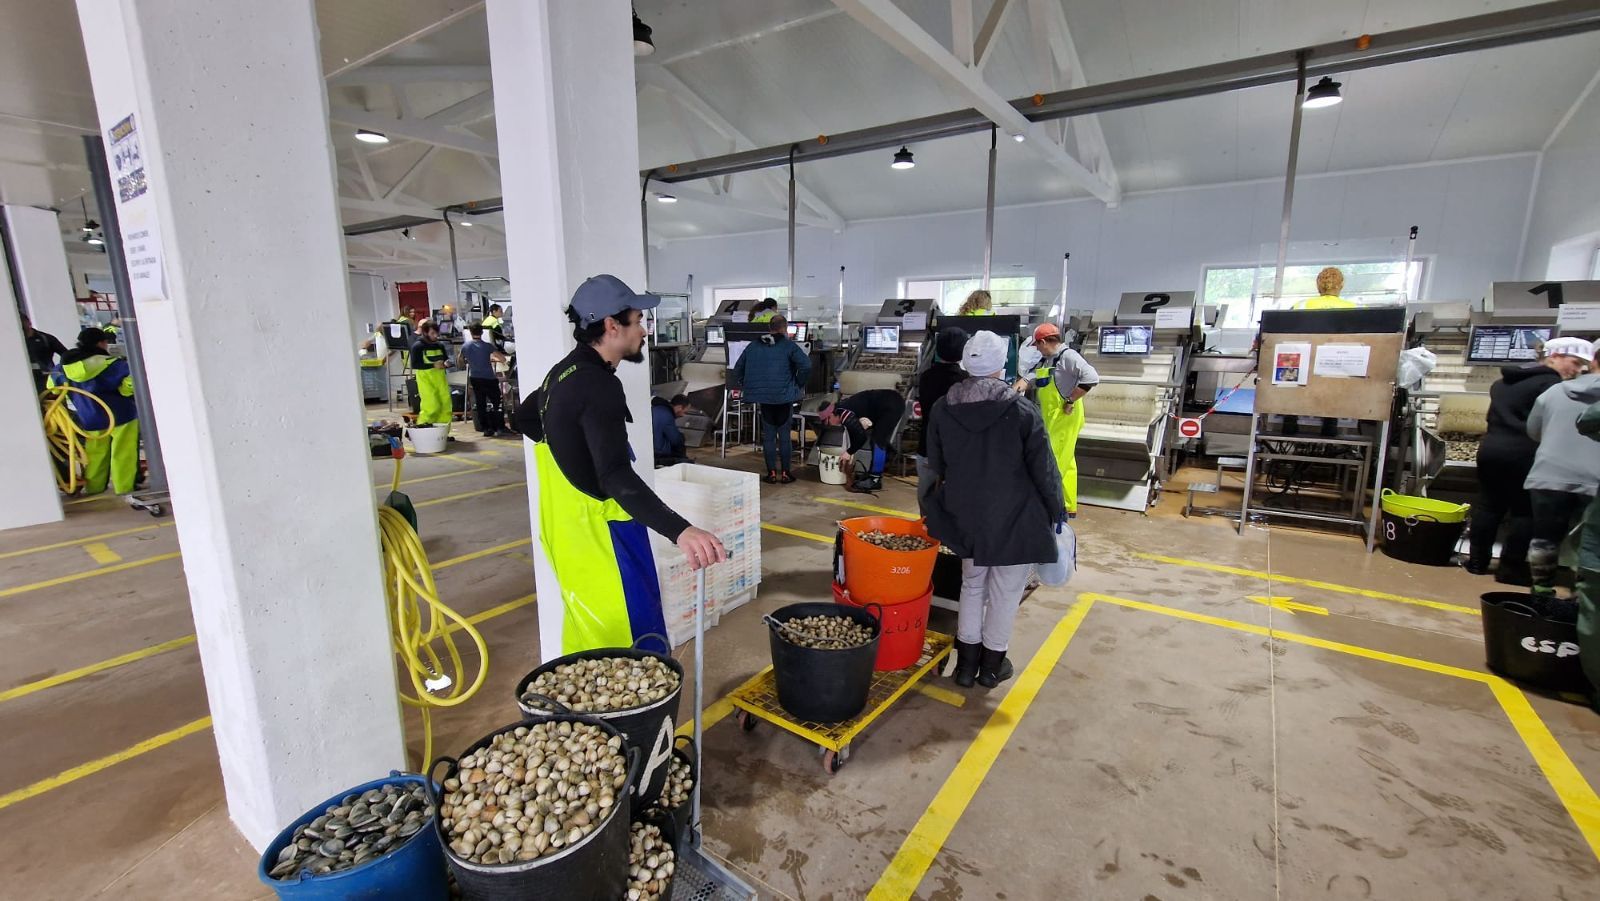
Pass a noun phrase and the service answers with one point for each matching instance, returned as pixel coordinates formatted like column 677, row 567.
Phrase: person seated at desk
column 1330, row 282
column 668, row 438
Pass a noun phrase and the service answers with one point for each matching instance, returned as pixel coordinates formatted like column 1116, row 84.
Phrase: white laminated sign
column 136, row 214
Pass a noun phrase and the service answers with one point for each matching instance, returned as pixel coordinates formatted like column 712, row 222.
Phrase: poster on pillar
column 136, row 212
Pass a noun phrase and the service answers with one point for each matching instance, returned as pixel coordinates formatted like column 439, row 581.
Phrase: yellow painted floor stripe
column 715, row 712
column 945, row 695
column 101, row 553
column 466, row 494
column 110, row 760
column 1569, row 784
column 91, row 669
column 486, row 552
column 887, row 511
column 86, row 540
column 916, row 853
column 87, row 574
column 1312, row 583
column 785, row 530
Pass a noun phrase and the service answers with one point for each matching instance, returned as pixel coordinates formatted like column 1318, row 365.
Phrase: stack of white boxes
column 727, row 504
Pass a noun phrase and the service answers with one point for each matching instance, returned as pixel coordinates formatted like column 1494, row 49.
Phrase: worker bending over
column 429, row 360
column 112, row 449
column 593, row 507
column 870, row 419
column 1060, row 380
column 670, row 446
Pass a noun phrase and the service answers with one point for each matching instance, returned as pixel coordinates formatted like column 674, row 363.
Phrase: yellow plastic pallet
column 758, row 699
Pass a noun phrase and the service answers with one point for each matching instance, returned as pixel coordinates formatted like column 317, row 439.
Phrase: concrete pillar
column 567, row 122
column 40, row 261
column 31, row 496
column 225, row 177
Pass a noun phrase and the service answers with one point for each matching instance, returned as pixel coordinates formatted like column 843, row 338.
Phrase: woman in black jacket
column 936, row 381
column 996, row 502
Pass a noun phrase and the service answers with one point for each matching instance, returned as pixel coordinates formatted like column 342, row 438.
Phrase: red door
column 413, row 299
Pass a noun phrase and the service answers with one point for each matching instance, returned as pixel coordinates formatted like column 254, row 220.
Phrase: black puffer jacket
column 999, row 494
column 1510, row 401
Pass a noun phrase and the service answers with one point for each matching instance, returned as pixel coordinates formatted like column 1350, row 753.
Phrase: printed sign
column 1189, row 427
column 1578, row 317
column 1342, row 360
column 1291, row 365
column 136, row 215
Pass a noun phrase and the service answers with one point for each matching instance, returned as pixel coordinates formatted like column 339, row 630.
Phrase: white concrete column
column 568, row 129
column 41, row 270
column 31, row 496
column 238, row 268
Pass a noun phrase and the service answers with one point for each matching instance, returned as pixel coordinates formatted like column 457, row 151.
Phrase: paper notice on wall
column 136, row 215
column 738, row 315
column 1291, row 365
column 1578, row 317
column 914, row 322
column 1342, row 361
column 1174, row 317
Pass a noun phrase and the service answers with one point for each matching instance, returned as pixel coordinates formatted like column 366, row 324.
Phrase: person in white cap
column 996, row 501
column 1566, row 470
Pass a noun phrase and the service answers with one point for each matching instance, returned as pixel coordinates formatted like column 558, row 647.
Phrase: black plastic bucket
column 1420, row 539
column 1521, row 644
column 684, row 749
column 672, row 835
column 822, row 686
column 594, row 869
column 649, row 729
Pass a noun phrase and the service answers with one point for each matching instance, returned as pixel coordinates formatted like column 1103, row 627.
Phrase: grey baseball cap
column 606, row 295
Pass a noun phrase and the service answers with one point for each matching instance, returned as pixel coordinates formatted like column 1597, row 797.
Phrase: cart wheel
column 747, row 722
column 157, row 509
column 831, row 762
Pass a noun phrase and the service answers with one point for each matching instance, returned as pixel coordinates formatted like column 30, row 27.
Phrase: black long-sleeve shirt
column 580, row 411
column 884, row 406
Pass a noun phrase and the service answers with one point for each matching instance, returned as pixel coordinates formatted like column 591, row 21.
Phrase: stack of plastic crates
column 727, row 504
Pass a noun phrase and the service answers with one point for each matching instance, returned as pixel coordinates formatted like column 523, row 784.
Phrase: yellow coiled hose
column 408, row 582
column 67, row 438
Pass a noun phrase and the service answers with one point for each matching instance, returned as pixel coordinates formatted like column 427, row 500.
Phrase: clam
column 651, row 863
column 351, row 832
column 604, row 684
column 825, row 632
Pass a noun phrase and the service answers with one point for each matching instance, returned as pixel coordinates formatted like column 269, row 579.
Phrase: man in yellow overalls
column 429, row 360
column 113, row 446
column 1061, row 379
column 593, row 507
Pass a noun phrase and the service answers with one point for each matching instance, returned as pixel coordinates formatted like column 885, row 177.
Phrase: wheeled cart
column 758, row 699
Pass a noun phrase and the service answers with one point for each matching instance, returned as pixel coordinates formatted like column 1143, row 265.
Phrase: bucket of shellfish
column 677, row 794
column 635, row 690
column 822, row 657
column 375, row 841
column 885, row 559
column 539, row 811
column 652, row 856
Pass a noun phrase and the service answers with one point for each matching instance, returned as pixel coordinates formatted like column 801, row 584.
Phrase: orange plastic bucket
column 876, row 575
column 904, row 628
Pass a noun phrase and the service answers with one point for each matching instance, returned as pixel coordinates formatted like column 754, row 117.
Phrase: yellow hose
column 66, row 438
column 408, row 582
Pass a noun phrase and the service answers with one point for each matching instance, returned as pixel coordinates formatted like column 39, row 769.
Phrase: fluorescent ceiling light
column 371, row 137
column 666, row 198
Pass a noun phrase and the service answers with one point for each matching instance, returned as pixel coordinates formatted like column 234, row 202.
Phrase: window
column 1246, row 291
column 719, row 295
column 1014, row 290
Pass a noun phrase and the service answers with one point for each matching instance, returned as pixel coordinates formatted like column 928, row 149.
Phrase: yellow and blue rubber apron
column 610, row 596
column 1063, row 427
column 433, row 389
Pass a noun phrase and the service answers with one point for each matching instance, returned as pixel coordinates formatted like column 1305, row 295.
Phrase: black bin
column 822, row 686
column 1523, row 645
column 1420, row 539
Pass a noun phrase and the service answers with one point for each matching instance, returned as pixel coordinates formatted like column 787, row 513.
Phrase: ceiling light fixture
column 406, row 233
column 903, row 160
column 94, row 239
column 466, row 223
column 1323, row 93
column 642, row 45
column 371, row 137
column 1019, row 137
column 89, row 225
column 666, row 198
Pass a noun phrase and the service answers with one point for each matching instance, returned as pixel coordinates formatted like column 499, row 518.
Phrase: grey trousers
column 990, row 596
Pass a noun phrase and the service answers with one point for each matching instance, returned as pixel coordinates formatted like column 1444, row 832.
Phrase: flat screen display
column 714, row 335
column 1125, row 339
column 799, row 331
column 1241, row 401
column 881, row 339
column 1507, row 343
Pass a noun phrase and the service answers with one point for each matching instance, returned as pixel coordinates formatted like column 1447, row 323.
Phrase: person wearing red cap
column 1059, row 381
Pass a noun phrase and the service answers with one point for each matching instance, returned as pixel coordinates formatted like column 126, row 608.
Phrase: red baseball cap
column 1048, row 330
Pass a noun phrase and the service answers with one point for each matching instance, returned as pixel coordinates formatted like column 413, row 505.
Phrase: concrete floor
column 1144, row 752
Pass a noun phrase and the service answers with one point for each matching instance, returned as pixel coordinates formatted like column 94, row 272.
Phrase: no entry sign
column 1189, row 427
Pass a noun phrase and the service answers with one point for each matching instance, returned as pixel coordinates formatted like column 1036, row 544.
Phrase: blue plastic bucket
column 414, row 870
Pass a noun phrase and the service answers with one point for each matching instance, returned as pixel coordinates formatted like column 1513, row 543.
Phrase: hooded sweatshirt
column 999, row 492
column 1566, row 461
column 1510, row 401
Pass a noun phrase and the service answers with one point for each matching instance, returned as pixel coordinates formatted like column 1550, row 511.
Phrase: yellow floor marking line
column 77, row 541
column 904, row 873
column 1569, row 784
column 1287, row 605
column 91, row 669
column 785, row 530
column 87, row 574
column 1312, row 583
column 486, row 552
column 466, row 494
column 953, row 698
column 101, row 553
column 493, row 612
column 715, row 712
column 110, row 760
column 887, row 511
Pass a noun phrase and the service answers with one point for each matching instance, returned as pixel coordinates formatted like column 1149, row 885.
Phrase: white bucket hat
column 985, row 354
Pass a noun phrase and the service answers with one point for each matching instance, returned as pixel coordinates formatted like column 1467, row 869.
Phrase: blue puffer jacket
column 773, row 370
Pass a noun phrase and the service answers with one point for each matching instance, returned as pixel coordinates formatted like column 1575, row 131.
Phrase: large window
column 1245, row 291
column 1014, row 290
column 719, row 295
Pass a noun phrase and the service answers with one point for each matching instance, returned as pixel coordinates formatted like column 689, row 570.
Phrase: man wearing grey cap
column 593, row 507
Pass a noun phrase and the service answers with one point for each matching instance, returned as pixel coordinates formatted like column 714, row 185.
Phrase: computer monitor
column 714, row 335
column 1126, row 340
column 1242, row 400
column 1507, row 343
column 881, row 339
column 799, row 331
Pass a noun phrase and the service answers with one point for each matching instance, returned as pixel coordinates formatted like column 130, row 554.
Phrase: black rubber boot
column 967, row 662
column 993, row 668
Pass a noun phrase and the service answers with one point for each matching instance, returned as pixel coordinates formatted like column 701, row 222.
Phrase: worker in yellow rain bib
column 429, row 360
column 112, row 447
column 1330, row 282
column 1060, row 379
column 593, row 507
